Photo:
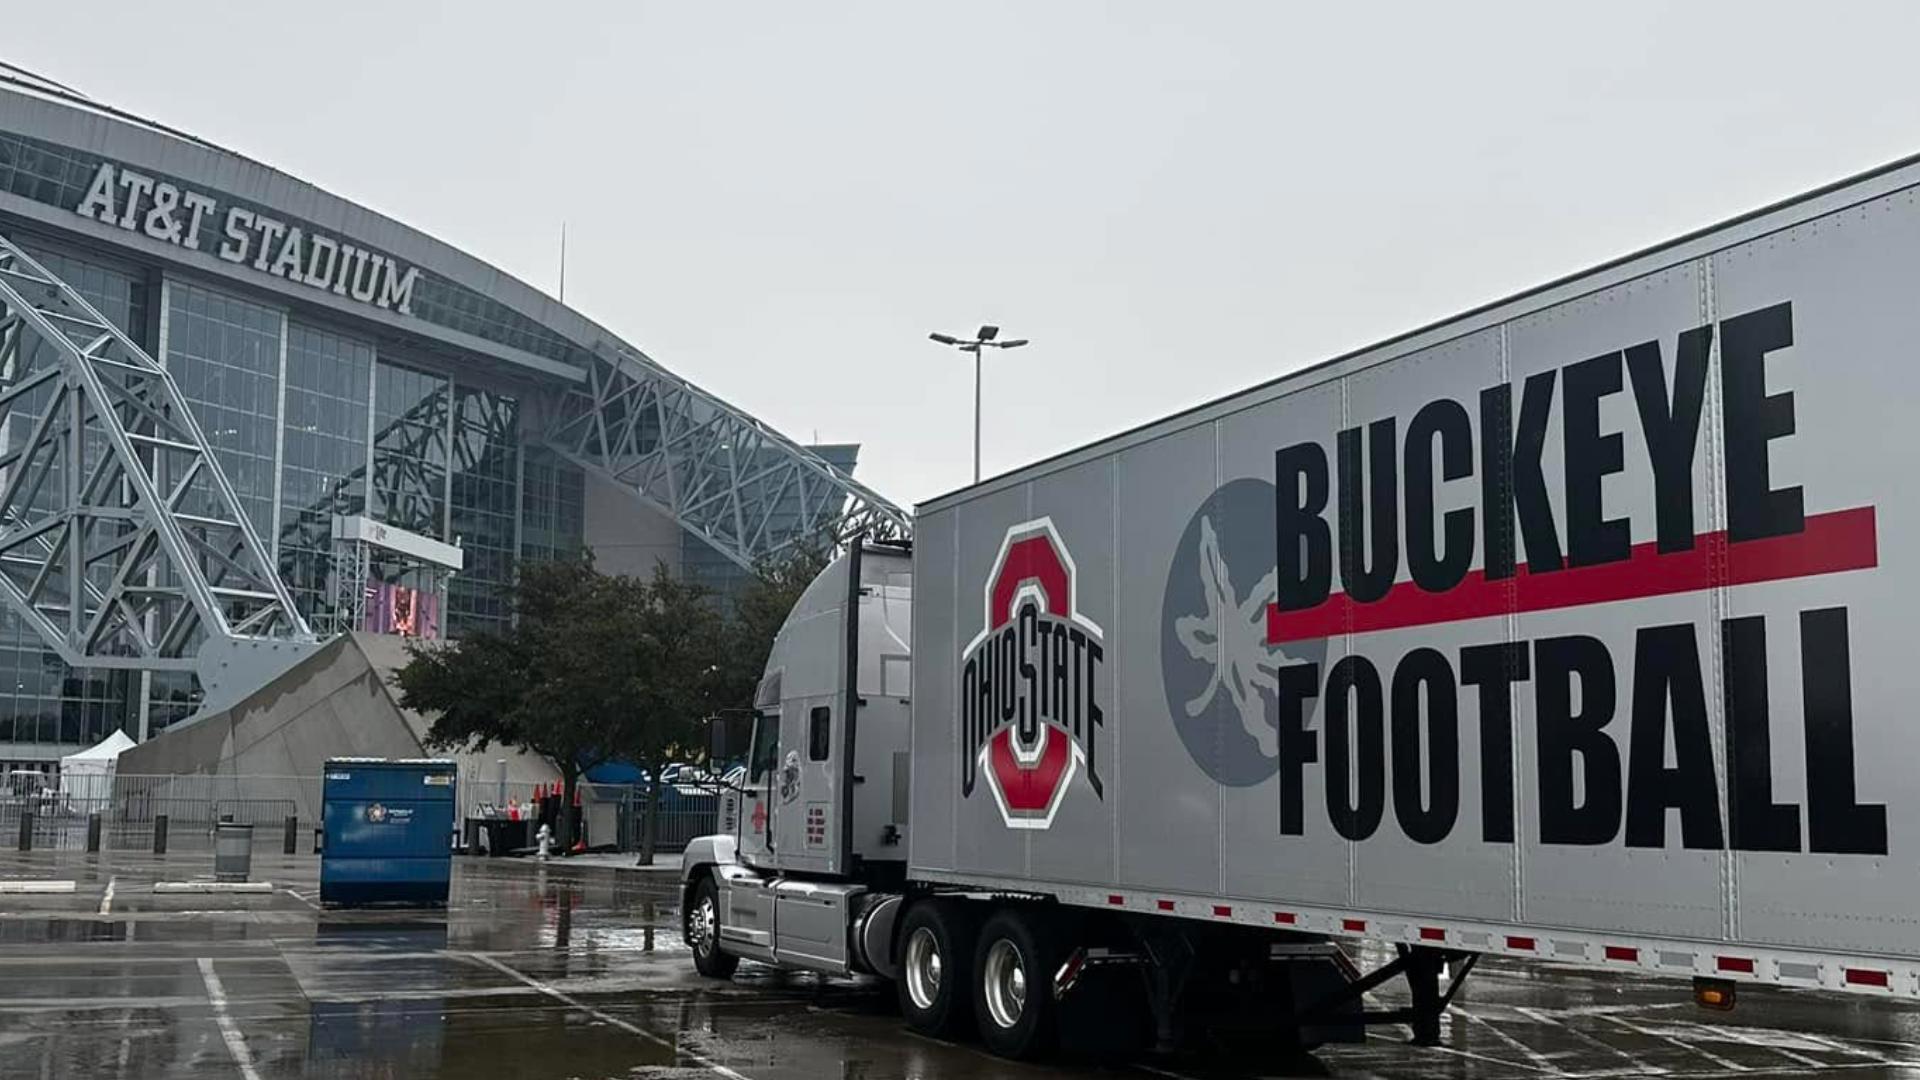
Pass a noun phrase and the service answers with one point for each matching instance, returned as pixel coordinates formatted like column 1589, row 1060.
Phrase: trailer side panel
column 1590, row 613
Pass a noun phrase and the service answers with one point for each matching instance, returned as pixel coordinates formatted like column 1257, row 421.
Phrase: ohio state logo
column 1028, row 682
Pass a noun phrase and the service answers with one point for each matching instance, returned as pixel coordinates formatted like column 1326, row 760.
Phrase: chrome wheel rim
column 1005, row 977
column 923, row 968
column 700, row 926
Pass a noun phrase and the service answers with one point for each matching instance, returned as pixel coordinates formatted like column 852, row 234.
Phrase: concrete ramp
column 339, row 702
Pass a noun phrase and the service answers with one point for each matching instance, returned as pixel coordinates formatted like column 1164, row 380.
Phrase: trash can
column 388, row 831
column 232, row 851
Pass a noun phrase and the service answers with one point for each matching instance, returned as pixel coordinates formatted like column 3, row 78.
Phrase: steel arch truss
column 746, row 489
column 121, row 542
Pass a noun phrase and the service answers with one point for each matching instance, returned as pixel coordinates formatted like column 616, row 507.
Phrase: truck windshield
column 766, row 746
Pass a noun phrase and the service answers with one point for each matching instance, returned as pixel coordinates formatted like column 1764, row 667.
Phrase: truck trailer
column 1557, row 630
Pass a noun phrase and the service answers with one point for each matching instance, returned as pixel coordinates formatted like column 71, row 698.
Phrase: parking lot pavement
column 573, row 971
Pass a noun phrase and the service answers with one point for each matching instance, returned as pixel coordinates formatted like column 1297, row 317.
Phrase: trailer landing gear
column 1422, row 967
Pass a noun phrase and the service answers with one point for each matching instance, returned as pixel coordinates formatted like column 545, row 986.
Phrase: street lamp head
column 1014, row 344
column 945, row 339
column 988, row 333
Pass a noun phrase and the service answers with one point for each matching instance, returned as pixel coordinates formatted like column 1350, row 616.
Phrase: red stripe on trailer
column 1432, row 933
column 1354, row 926
column 1522, row 943
column 1287, row 917
column 1623, row 952
column 1116, row 899
column 1739, row 965
column 1867, row 977
column 1222, row 911
column 1164, row 905
column 1828, row 543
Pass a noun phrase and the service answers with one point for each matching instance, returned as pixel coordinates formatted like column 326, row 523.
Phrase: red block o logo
column 1028, row 705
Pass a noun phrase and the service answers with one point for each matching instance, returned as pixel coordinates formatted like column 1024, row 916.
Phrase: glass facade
column 485, row 488
column 324, row 458
column 410, row 432
column 553, row 507
column 224, row 352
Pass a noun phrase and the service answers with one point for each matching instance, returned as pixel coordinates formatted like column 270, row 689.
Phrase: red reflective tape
column 1116, row 899
column 1522, row 943
column 1165, row 905
column 1622, row 952
column 1866, row 977
column 1738, row 964
column 1827, row 544
column 1222, row 911
column 1354, row 926
column 1432, row 933
column 1284, row 917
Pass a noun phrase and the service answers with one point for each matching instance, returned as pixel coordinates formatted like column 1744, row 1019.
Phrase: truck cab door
column 756, row 802
column 805, row 790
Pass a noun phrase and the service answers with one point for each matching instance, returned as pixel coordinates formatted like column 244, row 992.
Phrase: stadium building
column 396, row 426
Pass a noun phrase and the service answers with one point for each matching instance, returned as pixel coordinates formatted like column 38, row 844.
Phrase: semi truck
column 1573, row 628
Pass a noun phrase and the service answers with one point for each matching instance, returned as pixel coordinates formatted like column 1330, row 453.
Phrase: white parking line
column 213, row 886
column 106, row 899
column 1157, row 1071
column 1737, row 1035
column 1730, row 1066
column 229, row 1031
column 1488, row 1058
column 36, row 886
column 1540, row 1060
column 608, row 1018
column 1644, row 1068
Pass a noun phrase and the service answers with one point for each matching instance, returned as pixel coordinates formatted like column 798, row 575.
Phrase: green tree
column 683, row 645
column 559, row 681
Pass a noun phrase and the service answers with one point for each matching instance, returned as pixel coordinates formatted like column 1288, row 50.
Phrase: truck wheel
column 702, row 924
column 936, row 966
column 1013, row 984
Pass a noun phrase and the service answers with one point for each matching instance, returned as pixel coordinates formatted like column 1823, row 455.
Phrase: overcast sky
column 1173, row 200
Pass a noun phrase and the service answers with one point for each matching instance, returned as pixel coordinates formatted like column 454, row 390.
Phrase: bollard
column 159, row 834
column 93, row 832
column 26, row 830
column 290, row 841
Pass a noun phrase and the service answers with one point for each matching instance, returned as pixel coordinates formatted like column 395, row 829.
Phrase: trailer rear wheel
column 936, row 967
column 702, row 921
column 1013, row 983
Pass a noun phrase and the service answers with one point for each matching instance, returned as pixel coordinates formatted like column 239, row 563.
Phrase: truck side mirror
column 727, row 737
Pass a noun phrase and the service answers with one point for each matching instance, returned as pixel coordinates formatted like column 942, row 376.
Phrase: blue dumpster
column 389, row 831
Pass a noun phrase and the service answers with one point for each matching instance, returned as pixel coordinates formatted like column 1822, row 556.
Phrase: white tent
column 86, row 778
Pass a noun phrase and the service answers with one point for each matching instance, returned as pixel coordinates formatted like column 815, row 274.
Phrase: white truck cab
column 821, row 823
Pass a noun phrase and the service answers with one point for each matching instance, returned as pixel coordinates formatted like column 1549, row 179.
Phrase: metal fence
column 130, row 806
column 684, row 812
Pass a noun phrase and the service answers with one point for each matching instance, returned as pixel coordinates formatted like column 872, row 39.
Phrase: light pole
column 986, row 338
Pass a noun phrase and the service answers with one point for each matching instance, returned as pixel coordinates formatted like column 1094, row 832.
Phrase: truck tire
column 702, row 924
column 936, row 967
column 1013, row 970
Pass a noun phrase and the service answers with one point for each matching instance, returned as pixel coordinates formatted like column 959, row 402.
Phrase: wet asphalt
column 575, row 972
